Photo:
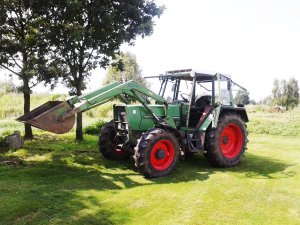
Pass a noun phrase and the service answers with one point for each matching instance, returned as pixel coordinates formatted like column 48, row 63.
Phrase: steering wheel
column 184, row 98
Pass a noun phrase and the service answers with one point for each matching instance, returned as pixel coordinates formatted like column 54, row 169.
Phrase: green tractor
column 192, row 112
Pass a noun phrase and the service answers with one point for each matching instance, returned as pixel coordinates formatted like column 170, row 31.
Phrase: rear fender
column 237, row 110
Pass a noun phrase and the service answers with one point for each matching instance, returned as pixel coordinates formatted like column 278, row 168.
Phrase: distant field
column 274, row 123
column 11, row 105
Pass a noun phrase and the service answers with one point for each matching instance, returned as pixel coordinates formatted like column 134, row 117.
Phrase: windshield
column 180, row 90
column 217, row 89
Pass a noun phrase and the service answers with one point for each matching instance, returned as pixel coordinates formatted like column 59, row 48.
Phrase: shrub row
column 94, row 128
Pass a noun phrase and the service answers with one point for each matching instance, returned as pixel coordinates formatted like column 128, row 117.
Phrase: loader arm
column 109, row 92
column 59, row 117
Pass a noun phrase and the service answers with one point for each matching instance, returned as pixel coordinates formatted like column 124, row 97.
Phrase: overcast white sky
column 253, row 41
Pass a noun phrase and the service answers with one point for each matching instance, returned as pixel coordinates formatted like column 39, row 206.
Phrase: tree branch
column 88, row 59
column 15, row 62
column 33, row 84
column 5, row 67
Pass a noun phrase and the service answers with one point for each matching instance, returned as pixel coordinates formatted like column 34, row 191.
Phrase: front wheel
column 225, row 145
column 107, row 143
column 156, row 153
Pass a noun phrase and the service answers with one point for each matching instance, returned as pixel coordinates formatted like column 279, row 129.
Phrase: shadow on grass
column 105, row 174
column 252, row 166
column 54, row 191
column 259, row 167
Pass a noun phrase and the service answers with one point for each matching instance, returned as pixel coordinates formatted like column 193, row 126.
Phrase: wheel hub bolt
column 225, row 140
column 160, row 154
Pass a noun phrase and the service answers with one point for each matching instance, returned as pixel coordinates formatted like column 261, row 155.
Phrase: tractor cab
column 198, row 94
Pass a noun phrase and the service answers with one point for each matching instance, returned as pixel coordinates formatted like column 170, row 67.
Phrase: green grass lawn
column 54, row 180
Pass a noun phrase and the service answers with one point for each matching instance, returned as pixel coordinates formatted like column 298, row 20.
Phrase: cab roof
column 188, row 74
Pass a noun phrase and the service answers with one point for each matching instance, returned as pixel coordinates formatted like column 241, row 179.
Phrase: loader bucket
column 46, row 117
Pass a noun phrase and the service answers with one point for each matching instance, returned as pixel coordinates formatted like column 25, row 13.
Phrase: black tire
column 107, row 145
column 156, row 153
column 225, row 145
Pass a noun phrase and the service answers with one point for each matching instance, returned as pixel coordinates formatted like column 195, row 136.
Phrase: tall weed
column 274, row 123
column 11, row 105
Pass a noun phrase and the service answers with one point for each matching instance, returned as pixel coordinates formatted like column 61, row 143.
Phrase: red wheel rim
column 119, row 151
column 231, row 140
column 162, row 155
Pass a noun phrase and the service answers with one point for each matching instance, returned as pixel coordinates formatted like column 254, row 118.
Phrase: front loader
column 192, row 112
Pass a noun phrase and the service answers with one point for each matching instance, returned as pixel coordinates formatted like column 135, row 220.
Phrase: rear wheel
column 107, row 143
column 225, row 145
column 156, row 153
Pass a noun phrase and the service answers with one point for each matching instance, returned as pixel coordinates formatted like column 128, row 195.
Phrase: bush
column 3, row 136
column 94, row 128
column 3, row 142
column 7, row 87
column 102, row 111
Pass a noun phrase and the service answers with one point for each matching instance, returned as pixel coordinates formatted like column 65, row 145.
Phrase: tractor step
column 194, row 144
column 117, row 121
column 123, row 131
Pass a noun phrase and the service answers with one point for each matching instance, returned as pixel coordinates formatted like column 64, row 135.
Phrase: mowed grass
column 55, row 180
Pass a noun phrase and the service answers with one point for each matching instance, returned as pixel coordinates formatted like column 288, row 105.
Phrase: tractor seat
column 198, row 110
column 203, row 101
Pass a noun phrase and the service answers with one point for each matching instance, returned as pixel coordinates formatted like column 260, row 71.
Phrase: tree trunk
column 79, row 82
column 79, row 134
column 26, row 94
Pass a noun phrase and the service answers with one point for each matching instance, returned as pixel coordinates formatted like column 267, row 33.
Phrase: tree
column 125, row 69
column 252, row 102
column 286, row 93
column 23, row 50
column 242, row 97
column 276, row 92
column 266, row 101
column 86, row 34
column 7, row 87
column 283, row 92
column 292, row 94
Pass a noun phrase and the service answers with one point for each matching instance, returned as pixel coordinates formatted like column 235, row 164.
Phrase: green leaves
column 242, row 97
column 124, row 69
column 24, row 48
column 285, row 93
